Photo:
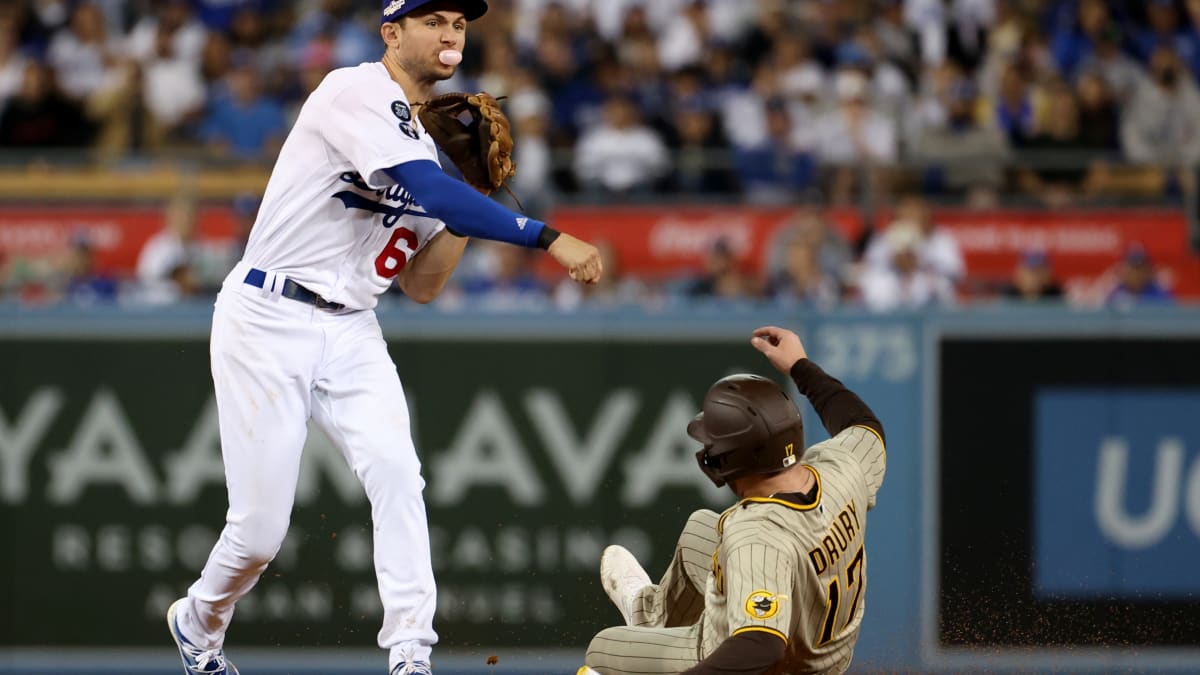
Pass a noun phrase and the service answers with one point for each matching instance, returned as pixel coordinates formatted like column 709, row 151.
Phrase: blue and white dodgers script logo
column 406, row 203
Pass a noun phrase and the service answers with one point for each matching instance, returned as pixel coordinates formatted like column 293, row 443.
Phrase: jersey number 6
column 854, row 579
column 394, row 257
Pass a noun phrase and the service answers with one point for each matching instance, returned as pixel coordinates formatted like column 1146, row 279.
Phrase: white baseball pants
column 276, row 362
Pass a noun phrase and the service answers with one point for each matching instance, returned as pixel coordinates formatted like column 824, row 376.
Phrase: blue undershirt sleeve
column 465, row 211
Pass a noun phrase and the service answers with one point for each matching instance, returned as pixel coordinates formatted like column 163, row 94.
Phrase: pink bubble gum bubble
column 450, row 57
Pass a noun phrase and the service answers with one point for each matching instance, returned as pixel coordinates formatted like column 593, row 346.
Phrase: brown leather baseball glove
column 473, row 131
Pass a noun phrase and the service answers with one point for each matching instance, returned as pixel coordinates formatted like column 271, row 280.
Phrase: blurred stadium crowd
column 1053, row 103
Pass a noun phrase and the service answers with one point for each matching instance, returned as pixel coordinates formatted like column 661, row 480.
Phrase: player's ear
column 390, row 32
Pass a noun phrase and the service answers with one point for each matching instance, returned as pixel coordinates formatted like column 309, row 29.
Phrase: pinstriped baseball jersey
column 798, row 571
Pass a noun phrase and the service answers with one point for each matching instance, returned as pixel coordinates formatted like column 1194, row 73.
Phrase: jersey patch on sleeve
column 403, row 113
column 762, row 605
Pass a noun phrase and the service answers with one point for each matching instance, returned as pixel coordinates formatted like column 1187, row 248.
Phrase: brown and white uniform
column 792, row 566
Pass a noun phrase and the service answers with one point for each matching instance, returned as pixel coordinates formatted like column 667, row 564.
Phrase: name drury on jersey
column 837, row 539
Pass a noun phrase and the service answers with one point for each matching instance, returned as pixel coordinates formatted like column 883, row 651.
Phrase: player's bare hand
column 782, row 347
column 581, row 259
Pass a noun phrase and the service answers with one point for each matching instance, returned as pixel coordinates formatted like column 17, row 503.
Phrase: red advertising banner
column 1081, row 243
column 660, row 241
column 1077, row 242
column 116, row 234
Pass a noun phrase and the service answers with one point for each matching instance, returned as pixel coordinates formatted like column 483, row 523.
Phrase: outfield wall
column 1042, row 500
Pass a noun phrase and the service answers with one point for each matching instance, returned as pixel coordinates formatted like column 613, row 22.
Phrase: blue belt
column 293, row 290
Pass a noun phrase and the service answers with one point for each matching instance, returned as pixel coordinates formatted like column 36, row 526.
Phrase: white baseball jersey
column 331, row 219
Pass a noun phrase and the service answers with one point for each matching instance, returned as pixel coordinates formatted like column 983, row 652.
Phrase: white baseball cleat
column 197, row 661
column 622, row 577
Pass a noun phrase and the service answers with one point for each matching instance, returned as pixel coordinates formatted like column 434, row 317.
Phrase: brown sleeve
column 748, row 653
column 838, row 407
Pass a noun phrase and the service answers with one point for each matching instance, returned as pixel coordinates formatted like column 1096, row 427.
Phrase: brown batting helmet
column 749, row 425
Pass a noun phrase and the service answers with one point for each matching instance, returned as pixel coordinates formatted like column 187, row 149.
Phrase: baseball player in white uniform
column 355, row 203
